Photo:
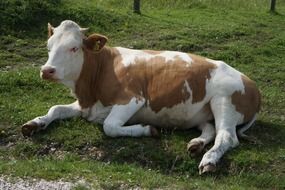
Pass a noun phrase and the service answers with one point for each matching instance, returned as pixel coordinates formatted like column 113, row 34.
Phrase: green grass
column 242, row 33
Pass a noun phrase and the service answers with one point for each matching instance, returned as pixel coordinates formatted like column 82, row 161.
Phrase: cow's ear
column 95, row 42
column 50, row 30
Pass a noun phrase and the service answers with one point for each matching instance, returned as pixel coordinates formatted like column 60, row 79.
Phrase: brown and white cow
column 131, row 91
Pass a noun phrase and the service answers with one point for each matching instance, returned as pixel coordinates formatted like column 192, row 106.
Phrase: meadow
column 243, row 33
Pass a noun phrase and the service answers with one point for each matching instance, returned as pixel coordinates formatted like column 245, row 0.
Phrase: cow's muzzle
column 47, row 73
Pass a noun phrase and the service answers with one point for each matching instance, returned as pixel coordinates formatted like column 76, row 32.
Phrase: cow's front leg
column 120, row 114
column 55, row 112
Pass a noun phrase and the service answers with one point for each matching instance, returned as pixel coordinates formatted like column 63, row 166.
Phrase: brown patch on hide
column 97, row 80
column 198, row 75
column 249, row 102
column 163, row 83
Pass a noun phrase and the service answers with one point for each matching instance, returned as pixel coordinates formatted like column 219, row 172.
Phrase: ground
column 242, row 33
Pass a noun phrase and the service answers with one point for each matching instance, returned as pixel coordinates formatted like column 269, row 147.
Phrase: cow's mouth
column 49, row 78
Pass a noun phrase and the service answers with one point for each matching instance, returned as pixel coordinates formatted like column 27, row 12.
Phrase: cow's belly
column 181, row 116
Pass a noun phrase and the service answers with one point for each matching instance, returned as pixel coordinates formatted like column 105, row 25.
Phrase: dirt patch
column 13, row 183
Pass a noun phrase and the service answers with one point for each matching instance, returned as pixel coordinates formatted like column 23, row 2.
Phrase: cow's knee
column 227, row 138
column 111, row 129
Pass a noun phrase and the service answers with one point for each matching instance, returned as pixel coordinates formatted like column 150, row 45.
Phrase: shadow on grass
column 166, row 154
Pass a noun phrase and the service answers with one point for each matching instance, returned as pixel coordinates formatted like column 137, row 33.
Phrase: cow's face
column 66, row 46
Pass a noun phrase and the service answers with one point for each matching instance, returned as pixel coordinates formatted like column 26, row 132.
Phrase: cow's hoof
column 207, row 168
column 154, row 132
column 29, row 128
column 195, row 147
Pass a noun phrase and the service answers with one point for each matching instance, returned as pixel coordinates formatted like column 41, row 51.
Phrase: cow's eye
column 74, row 49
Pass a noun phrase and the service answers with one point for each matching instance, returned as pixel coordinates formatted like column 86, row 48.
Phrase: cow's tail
column 240, row 131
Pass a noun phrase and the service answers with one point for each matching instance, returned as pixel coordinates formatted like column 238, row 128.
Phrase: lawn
column 242, row 33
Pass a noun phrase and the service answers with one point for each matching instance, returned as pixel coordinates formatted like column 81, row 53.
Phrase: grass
column 242, row 33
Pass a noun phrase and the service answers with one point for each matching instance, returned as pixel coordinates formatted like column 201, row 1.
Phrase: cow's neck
column 87, row 85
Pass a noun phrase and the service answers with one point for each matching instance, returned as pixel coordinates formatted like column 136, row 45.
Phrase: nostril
column 51, row 71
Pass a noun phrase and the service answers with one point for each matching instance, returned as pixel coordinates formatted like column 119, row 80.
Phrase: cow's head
column 66, row 46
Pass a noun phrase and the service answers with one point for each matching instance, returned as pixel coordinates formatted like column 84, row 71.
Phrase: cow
column 134, row 92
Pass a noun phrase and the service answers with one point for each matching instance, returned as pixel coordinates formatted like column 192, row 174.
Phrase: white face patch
column 130, row 56
column 65, row 52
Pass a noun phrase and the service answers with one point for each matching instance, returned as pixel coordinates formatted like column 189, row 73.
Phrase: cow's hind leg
column 226, row 120
column 55, row 112
column 196, row 145
column 120, row 114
